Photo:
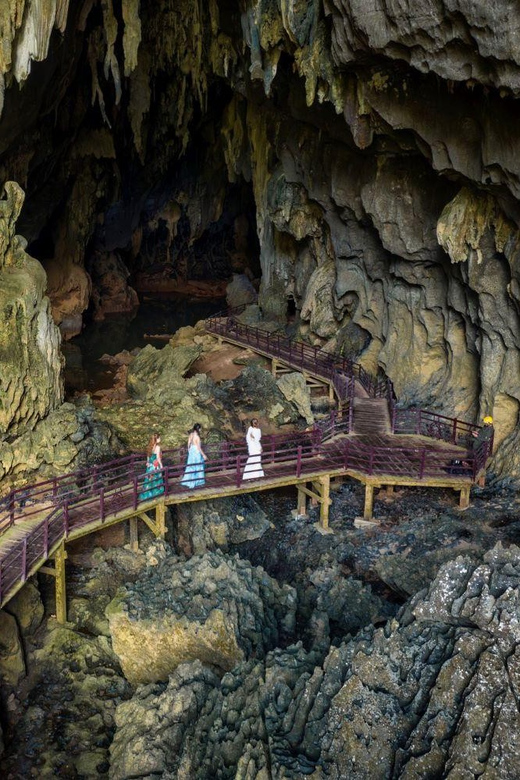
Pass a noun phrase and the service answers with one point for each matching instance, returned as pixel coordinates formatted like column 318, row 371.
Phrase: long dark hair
column 196, row 428
column 154, row 439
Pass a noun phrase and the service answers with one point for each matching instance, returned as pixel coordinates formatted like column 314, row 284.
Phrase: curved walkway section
column 36, row 521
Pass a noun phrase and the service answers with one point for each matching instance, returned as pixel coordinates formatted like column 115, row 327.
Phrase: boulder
column 27, row 608
column 257, row 393
column 12, row 663
column 210, row 525
column 212, row 608
column 294, row 388
column 156, row 374
column 240, row 291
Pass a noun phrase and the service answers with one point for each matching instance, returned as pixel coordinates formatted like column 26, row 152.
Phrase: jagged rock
column 111, row 292
column 210, row 525
column 30, row 383
column 416, row 698
column 256, row 391
column 216, row 609
column 77, row 685
column 235, row 714
column 27, row 608
column 295, row 390
column 348, row 603
column 240, row 291
column 156, row 374
column 12, row 663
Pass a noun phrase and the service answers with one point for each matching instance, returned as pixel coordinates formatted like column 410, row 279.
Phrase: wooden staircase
column 371, row 416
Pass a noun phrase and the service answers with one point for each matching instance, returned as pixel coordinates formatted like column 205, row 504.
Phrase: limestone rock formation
column 240, row 291
column 12, row 662
column 210, row 525
column 158, row 373
column 212, row 608
column 27, row 608
column 413, row 699
column 295, row 390
column 68, row 438
column 111, row 293
column 64, row 727
column 256, row 391
column 30, row 382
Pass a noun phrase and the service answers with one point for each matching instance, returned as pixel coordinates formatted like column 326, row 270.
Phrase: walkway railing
column 313, row 452
column 81, row 498
column 343, row 373
column 302, row 356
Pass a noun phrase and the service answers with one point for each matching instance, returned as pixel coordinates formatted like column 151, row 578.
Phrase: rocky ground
column 251, row 645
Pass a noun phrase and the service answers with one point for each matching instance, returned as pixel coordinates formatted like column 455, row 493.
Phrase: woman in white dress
column 253, row 469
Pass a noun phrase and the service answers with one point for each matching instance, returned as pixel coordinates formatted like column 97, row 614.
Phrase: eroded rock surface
column 212, row 608
column 30, row 380
column 210, row 525
column 65, row 726
column 413, row 699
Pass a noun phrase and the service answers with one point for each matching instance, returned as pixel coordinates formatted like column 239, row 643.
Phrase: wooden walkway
column 419, row 449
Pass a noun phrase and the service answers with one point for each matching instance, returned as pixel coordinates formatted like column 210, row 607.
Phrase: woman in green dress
column 153, row 484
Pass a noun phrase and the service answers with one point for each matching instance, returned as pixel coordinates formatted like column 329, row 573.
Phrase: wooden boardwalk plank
column 95, row 499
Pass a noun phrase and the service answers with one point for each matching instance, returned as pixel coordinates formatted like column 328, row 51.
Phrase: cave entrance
column 291, row 308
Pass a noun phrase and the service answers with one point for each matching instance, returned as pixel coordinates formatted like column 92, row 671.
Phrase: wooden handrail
column 93, row 494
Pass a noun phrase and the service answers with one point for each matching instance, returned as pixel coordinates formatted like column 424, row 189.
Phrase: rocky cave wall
column 381, row 149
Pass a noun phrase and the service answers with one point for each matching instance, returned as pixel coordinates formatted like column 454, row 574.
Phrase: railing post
column 54, row 487
column 299, row 462
column 238, row 475
column 225, row 455
column 24, row 560
column 135, row 494
column 394, row 415
column 423, row 459
column 418, row 422
column 166, row 479
column 46, row 538
column 102, row 503
column 317, row 436
column 454, row 432
column 66, row 519
column 11, row 507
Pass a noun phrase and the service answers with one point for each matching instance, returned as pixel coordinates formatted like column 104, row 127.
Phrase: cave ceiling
column 370, row 154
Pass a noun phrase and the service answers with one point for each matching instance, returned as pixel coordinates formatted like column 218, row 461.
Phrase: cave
column 315, row 173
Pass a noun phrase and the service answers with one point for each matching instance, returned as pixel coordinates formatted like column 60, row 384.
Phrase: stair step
column 371, row 416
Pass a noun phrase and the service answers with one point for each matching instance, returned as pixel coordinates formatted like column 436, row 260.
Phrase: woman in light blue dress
column 195, row 464
column 153, row 484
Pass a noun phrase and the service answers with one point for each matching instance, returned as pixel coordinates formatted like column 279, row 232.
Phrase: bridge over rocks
column 367, row 437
